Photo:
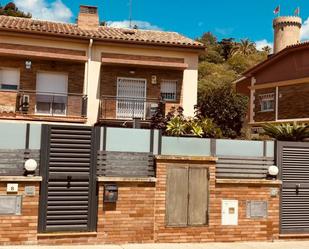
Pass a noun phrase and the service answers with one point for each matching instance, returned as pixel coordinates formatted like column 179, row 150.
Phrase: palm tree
column 267, row 49
column 245, row 47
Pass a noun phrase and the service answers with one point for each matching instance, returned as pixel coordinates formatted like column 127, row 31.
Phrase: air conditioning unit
column 24, row 103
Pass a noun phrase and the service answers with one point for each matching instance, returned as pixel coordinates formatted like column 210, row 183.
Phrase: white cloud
column 41, row 9
column 263, row 43
column 224, row 31
column 126, row 24
column 304, row 34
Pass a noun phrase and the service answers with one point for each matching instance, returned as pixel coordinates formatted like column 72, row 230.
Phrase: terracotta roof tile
column 103, row 32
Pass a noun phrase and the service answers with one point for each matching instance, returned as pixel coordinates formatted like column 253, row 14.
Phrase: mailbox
column 110, row 193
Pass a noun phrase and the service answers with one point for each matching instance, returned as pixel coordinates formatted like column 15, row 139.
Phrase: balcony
column 121, row 111
column 44, row 106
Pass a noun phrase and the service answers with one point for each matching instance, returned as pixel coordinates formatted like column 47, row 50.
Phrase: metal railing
column 113, row 107
column 44, row 103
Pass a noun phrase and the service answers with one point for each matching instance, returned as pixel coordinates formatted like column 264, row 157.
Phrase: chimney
column 88, row 17
column 286, row 32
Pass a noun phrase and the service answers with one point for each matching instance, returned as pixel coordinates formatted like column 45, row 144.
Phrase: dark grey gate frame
column 279, row 156
column 44, row 172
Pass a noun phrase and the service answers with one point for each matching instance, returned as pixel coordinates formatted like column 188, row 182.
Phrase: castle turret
column 286, row 31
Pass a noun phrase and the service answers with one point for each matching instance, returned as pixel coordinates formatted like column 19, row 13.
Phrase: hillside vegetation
column 225, row 60
column 222, row 63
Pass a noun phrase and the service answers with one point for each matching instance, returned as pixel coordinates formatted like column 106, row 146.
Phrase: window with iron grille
column 267, row 102
column 169, row 89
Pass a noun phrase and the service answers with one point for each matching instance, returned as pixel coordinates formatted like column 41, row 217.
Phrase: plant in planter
column 287, row 132
column 176, row 127
column 194, row 128
column 210, row 129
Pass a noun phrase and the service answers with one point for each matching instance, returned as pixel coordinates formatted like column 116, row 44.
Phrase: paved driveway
column 251, row 245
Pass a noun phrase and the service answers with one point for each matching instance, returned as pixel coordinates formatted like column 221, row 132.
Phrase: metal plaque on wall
column 10, row 204
column 257, row 209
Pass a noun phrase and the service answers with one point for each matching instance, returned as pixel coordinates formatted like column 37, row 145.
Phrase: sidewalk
column 248, row 245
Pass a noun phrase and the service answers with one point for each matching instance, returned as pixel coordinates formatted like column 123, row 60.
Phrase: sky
column 239, row 19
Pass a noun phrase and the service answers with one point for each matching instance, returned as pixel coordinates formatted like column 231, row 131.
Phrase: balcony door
column 51, row 93
column 131, row 98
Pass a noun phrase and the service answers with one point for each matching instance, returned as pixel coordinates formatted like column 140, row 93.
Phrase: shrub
column 225, row 107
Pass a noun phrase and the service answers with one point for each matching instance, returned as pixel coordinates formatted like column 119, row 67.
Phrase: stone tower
column 287, row 31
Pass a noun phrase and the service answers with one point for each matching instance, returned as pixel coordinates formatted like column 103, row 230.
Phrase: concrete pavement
column 244, row 245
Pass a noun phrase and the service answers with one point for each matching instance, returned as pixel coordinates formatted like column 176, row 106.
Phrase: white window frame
column 172, row 92
column 52, row 94
column 145, row 97
column 269, row 99
column 12, row 69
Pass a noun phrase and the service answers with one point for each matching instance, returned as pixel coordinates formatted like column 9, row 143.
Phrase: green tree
column 244, row 47
column 267, row 49
column 225, row 107
column 213, row 49
column 10, row 9
column 227, row 47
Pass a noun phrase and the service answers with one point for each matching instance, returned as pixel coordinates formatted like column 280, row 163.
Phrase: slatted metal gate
column 293, row 160
column 68, row 200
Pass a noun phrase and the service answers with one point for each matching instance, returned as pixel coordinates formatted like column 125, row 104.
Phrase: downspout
column 88, row 68
column 86, row 81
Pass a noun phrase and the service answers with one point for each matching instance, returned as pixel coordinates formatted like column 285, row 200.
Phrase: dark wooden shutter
column 177, row 196
column 198, row 196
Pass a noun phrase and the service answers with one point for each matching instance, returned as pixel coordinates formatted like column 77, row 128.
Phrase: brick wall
column 260, row 116
column 20, row 229
column 108, row 85
column 293, row 101
column 139, row 215
column 28, row 82
column 28, row 77
column 163, row 234
column 131, row 219
column 247, row 229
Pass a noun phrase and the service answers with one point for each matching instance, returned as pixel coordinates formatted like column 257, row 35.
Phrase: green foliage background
column 219, row 66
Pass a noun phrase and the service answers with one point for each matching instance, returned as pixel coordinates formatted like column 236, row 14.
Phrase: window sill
column 72, row 234
column 20, row 178
column 266, row 111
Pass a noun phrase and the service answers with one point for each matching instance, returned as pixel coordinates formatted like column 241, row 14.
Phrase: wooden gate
column 68, row 200
column 293, row 160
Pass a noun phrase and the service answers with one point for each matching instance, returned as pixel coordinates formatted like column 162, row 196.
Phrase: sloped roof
column 104, row 33
column 272, row 58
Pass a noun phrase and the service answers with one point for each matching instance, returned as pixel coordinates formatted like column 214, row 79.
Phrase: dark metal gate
column 68, row 200
column 293, row 160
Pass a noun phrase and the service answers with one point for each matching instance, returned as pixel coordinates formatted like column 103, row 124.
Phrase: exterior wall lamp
column 28, row 64
column 30, row 167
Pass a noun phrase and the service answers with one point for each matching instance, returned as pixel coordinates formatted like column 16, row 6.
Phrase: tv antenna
column 130, row 14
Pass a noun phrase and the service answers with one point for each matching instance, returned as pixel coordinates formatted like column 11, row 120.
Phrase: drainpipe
column 88, row 68
column 86, row 82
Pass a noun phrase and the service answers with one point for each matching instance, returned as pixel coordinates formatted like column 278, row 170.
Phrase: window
column 9, row 78
column 187, row 196
column 267, row 102
column 51, row 93
column 168, row 89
